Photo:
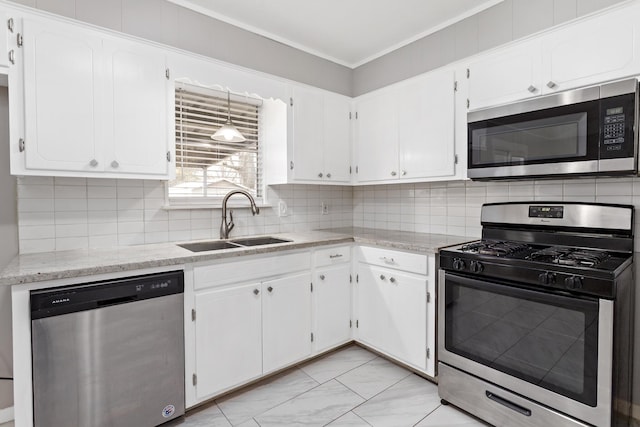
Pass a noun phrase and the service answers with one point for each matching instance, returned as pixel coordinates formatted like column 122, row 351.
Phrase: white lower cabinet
column 286, row 321
column 395, row 308
column 253, row 316
column 229, row 319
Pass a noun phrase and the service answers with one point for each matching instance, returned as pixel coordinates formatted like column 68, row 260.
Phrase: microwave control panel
column 617, row 117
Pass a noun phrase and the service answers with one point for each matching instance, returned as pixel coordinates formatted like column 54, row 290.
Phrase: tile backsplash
column 72, row 213
column 454, row 207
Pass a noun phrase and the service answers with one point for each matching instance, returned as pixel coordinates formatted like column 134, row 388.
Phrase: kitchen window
column 206, row 169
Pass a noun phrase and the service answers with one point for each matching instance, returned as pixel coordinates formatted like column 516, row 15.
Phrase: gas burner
column 494, row 248
column 569, row 256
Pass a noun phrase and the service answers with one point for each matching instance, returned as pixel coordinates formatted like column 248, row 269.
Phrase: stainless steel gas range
column 535, row 320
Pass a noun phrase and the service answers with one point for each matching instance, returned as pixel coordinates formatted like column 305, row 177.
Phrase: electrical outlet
column 283, row 209
column 325, row 208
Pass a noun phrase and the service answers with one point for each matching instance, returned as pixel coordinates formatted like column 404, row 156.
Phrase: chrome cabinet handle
column 387, row 260
column 93, row 163
column 392, row 280
column 256, row 291
column 270, row 289
column 115, row 164
column 12, row 56
column 404, row 173
column 320, row 175
column 329, row 175
column 335, row 256
column 532, row 89
column 393, row 173
column 322, row 277
column 382, row 277
column 551, row 84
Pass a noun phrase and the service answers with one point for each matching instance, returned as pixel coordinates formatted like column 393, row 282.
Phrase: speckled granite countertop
column 39, row 267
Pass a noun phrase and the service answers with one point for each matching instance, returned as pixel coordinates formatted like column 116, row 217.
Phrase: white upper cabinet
column 591, row 51
column 337, row 138
column 601, row 48
column 407, row 131
column 426, row 126
column 7, row 29
column 63, row 105
column 320, row 136
column 137, row 109
column 507, row 75
column 94, row 105
column 377, row 137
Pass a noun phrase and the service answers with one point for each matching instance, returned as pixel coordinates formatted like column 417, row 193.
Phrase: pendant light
column 228, row 132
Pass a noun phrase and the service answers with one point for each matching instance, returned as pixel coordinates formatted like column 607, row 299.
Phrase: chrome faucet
column 226, row 227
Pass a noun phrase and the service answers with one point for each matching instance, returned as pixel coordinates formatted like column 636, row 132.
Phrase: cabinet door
column 337, row 131
column 228, row 338
column 332, row 306
column 62, row 97
column 377, row 136
column 286, row 317
column 507, row 75
column 4, row 33
column 426, row 126
column 374, row 318
column 601, row 48
column 407, row 305
column 137, row 113
column 308, row 112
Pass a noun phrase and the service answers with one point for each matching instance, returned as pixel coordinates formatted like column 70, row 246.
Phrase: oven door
column 551, row 348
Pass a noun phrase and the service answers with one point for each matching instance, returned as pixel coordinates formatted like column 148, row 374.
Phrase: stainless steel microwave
column 585, row 131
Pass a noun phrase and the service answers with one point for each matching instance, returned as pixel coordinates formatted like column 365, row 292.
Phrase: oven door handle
column 504, row 402
column 573, row 302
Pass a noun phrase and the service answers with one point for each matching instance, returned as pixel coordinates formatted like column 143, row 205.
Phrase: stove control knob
column 476, row 267
column 458, row 264
column 547, row 278
column 573, row 282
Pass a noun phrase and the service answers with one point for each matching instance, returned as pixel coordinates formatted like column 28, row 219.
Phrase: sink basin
column 216, row 245
column 258, row 241
column 213, row 245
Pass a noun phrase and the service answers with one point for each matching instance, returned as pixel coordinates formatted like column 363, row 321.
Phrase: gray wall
column 8, row 249
column 502, row 23
column 8, row 209
column 164, row 22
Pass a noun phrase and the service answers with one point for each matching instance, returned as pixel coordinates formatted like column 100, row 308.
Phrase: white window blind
column 206, row 168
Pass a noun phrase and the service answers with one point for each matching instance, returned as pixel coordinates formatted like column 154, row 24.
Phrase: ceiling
column 348, row 32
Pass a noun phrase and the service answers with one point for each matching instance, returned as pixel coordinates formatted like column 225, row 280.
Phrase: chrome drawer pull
column 335, row 256
column 387, row 260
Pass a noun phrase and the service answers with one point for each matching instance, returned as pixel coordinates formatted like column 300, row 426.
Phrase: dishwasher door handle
column 120, row 300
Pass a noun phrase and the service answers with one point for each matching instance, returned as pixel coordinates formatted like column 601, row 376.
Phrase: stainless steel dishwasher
column 109, row 353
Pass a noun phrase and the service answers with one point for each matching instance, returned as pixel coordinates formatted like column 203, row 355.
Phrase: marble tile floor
column 350, row 387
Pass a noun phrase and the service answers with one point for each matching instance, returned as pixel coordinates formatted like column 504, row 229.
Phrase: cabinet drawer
column 330, row 256
column 413, row 263
column 243, row 270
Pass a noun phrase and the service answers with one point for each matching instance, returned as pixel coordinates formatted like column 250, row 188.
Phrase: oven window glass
column 550, row 341
column 555, row 138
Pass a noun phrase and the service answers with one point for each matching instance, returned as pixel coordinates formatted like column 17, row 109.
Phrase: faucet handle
column 230, row 225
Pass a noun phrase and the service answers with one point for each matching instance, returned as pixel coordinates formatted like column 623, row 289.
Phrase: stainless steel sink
column 213, row 245
column 258, row 241
column 217, row 245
